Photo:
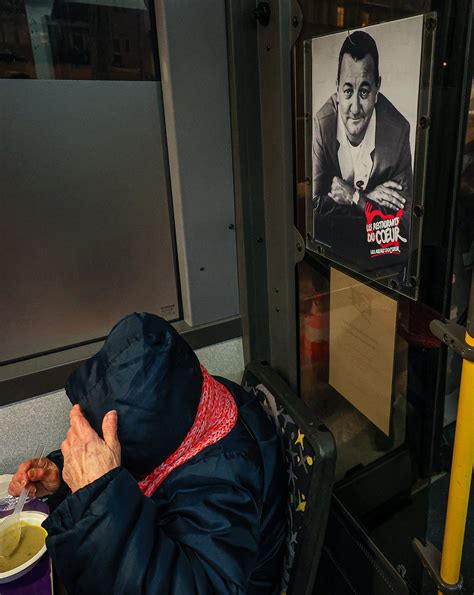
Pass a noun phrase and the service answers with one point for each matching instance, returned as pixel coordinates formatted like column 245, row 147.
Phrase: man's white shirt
column 356, row 162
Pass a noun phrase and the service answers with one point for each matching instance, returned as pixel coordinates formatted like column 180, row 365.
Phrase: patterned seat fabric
column 299, row 458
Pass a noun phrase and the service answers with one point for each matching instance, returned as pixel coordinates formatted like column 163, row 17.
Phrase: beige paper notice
column 362, row 325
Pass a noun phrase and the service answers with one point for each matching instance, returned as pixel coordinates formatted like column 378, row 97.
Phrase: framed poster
column 368, row 102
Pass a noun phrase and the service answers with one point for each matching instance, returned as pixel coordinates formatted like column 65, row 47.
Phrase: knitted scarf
column 216, row 416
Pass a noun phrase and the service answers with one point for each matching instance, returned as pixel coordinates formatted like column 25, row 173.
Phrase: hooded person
column 194, row 495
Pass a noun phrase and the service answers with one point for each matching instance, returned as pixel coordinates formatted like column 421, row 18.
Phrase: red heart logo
column 371, row 214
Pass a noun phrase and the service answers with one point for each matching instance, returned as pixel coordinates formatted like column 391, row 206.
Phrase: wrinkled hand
column 388, row 195
column 86, row 456
column 40, row 477
column 341, row 192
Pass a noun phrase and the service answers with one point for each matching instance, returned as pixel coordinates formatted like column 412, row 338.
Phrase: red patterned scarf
column 215, row 418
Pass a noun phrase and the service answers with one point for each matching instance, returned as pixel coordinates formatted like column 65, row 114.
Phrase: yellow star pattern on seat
column 301, row 503
column 300, row 439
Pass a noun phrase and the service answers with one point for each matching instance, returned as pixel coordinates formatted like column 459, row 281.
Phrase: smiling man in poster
column 362, row 166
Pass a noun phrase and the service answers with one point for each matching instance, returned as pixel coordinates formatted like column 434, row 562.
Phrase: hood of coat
column 150, row 375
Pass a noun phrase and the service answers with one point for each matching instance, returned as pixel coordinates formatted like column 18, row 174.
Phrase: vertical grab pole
column 445, row 568
column 462, row 466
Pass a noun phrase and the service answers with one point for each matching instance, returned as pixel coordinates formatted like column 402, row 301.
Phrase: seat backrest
column 310, row 455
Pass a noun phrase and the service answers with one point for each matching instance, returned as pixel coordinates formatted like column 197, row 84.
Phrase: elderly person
column 169, row 480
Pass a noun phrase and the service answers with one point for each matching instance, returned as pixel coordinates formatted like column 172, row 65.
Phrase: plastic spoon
column 10, row 528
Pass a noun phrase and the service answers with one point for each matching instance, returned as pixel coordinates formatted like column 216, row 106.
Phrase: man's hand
column 86, row 456
column 388, row 195
column 341, row 192
column 39, row 476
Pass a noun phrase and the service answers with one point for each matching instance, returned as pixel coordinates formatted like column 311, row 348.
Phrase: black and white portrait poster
column 365, row 86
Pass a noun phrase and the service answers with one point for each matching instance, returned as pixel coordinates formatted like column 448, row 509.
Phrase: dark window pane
column 16, row 54
column 80, row 41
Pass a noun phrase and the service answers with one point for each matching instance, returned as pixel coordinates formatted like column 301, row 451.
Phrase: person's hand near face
column 357, row 92
column 87, row 456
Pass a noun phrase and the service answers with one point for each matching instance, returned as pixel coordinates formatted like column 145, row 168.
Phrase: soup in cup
column 30, row 549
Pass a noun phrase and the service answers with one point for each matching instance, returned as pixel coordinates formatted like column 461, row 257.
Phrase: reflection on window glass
column 340, row 16
column 59, row 39
column 364, row 18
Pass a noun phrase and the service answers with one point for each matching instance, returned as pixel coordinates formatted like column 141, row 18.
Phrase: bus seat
column 310, row 456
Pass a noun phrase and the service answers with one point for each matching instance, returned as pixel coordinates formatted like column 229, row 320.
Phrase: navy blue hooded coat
column 215, row 525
